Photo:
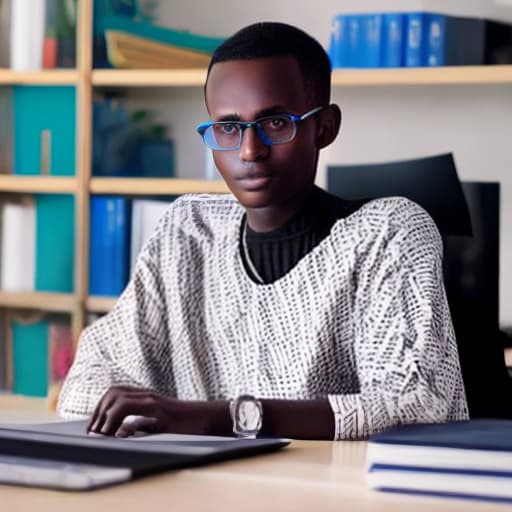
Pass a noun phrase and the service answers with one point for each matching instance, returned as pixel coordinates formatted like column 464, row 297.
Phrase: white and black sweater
column 362, row 320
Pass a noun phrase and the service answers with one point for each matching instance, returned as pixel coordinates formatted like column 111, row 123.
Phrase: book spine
column 5, row 33
column 30, row 357
column 435, row 54
column 27, row 33
column 6, row 131
column 17, row 251
column 371, row 26
column 355, row 41
column 415, row 39
column 392, row 40
column 109, row 246
column 339, row 51
column 55, row 243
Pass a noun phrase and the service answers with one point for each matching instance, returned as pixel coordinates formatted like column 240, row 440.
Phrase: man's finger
column 132, row 423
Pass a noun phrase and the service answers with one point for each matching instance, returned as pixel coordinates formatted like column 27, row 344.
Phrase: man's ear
column 329, row 125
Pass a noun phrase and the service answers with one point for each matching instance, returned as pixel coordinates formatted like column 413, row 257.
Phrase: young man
column 282, row 307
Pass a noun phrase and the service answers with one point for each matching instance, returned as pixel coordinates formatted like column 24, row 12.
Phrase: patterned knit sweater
column 362, row 320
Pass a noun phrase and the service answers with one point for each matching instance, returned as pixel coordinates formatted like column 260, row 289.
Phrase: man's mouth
column 256, row 180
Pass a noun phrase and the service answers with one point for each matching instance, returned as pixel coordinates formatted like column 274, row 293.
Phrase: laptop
column 60, row 455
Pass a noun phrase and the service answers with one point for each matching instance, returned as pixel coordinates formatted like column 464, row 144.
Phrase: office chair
column 467, row 216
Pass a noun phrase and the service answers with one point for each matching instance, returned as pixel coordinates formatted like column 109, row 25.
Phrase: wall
column 379, row 123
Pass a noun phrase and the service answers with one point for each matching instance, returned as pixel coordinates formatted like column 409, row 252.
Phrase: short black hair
column 272, row 39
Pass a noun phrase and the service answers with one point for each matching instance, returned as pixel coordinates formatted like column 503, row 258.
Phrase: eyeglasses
column 276, row 129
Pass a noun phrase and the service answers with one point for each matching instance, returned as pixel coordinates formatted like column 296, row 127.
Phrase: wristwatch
column 247, row 415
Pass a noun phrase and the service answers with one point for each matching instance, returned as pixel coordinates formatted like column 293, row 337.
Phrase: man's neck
column 263, row 220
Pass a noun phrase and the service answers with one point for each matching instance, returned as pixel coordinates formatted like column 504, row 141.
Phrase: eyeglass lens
column 274, row 129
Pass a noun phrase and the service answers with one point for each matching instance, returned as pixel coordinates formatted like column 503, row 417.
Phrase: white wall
column 379, row 123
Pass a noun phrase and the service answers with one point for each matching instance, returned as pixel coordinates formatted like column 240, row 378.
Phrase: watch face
column 247, row 416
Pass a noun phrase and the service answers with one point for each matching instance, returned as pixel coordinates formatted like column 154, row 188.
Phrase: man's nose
column 252, row 148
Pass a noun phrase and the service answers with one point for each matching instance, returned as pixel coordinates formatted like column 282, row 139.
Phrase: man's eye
column 228, row 129
column 276, row 123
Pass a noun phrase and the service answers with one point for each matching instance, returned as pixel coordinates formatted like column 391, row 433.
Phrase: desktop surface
column 305, row 476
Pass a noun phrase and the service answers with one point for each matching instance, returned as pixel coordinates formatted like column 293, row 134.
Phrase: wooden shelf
column 155, row 186
column 97, row 304
column 59, row 302
column 38, row 184
column 149, row 78
column 456, row 75
column 341, row 77
column 46, row 77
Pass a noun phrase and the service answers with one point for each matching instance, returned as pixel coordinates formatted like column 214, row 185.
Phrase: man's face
column 245, row 90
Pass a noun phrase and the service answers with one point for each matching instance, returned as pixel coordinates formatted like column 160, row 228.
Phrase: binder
column 415, row 26
column 372, row 33
column 339, row 52
column 392, row 40
column 55, row 243
column 30, row 356
column 17, row 248
column 109, row 245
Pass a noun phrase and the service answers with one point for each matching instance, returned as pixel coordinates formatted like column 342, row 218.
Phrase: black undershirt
column 274, row 253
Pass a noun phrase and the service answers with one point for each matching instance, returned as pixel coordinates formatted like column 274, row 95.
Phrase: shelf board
column 97, row 304
column 155, row 186
column 38, row 184
column 340, row 78
column 149, row 78
column 60, row 302
column 46, row 77
column 461, row 75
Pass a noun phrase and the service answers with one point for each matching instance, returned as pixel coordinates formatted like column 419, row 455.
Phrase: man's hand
column 124, row 409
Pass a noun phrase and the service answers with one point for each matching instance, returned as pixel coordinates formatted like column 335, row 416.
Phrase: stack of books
column 469, row 459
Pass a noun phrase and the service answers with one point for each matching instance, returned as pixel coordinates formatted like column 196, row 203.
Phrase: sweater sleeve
column 405, row 350
column 128, row 346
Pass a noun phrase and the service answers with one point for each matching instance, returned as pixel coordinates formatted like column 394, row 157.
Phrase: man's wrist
column 219, row 420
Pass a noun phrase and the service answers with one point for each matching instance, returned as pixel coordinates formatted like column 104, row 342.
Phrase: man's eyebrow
column 228, row 117
column 275, row 109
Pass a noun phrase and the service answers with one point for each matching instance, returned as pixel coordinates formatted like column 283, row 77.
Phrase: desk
column 310, row 476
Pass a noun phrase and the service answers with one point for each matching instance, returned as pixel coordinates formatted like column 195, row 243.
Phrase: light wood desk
column 310, row 476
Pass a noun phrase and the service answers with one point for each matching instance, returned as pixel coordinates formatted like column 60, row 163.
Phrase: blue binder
column 109, row 245
column 415, row 24
column 339, row 51
column 392, row 40
column 371, row 40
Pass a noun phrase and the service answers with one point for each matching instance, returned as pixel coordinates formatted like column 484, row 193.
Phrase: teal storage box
column 49, row 109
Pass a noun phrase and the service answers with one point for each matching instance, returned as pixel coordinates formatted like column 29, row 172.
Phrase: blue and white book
column 371, row 40
column 355, row 41
column 109, row 245
column 468, row 459
column 392, row 40
column 415, row 26
column 339, row 51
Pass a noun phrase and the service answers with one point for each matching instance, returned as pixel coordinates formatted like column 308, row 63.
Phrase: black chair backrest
column 467, row 216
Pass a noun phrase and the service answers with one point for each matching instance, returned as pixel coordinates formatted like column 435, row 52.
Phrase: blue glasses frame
column 209, row 140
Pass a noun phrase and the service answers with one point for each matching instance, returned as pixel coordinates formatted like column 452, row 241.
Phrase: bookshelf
column 82, row 185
